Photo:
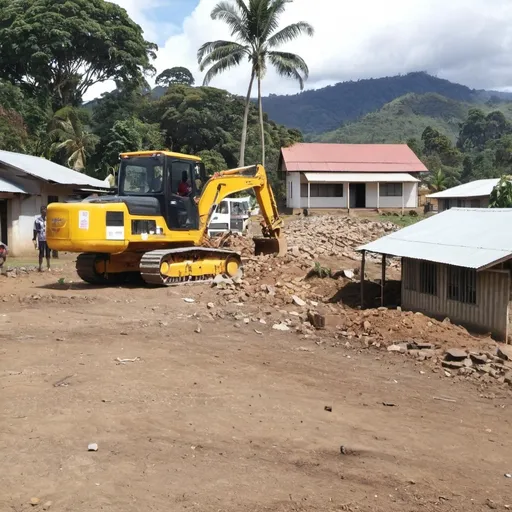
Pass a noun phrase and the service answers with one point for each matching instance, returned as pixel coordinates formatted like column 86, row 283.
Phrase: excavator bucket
column 264, row 245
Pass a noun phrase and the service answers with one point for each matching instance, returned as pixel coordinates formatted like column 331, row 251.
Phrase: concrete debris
column 92, row 447
column 505, row 352
column 280, row 327
column 456, row 354
column 349, row 274
column 298, row 301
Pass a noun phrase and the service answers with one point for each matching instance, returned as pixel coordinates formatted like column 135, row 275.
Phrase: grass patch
column 401, row 220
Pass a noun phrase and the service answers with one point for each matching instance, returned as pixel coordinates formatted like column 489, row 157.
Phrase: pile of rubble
column 333, row 236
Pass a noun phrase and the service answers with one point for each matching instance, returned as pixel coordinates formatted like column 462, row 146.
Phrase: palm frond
column 289, row 65
column 290, row 33
column 270, row 19
column 214, row 51
column 222, row 65
column 233, row 17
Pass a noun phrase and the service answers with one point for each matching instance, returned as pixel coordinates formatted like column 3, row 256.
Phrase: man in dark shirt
column 39, row 239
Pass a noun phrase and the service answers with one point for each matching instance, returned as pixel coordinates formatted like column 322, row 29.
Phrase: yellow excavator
column 157, row 223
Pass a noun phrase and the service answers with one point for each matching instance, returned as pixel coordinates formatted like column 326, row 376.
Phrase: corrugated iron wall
column 490, row 313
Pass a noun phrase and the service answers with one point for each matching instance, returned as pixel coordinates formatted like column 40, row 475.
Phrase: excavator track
column 86, row 270
column 151, row 265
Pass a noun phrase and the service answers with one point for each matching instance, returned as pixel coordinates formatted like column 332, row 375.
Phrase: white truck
column 231, row 214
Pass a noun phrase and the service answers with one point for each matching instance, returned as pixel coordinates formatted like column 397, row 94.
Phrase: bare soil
column 226, row 419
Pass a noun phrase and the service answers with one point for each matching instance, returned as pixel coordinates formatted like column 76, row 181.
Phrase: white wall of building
column 293, row 190
column 294, row 199
column 22, row 210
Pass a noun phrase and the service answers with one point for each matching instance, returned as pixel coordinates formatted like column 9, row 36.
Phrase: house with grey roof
column 28, row 182
column 456, row 265
column 474, row 194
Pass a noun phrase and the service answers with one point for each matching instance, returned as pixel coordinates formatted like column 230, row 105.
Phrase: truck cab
column 231, row 214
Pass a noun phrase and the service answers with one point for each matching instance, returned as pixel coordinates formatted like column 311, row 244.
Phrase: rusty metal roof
column 322, row 157
column 465, row 237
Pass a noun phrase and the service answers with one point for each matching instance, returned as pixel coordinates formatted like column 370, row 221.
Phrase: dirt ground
column 231, row 418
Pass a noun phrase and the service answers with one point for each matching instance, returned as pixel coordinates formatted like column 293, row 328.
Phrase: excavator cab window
column 141, row 175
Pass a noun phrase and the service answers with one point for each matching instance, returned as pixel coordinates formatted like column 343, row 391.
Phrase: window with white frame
column 322, row 190
column 461, row 285
column 390, row 189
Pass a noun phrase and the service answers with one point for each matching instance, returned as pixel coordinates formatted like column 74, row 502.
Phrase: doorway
column 357, row 195
column 3, row 221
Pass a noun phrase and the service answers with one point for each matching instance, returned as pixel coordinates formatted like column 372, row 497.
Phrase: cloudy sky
column 466, row 41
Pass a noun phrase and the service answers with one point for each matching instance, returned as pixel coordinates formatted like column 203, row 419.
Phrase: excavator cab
column 171, row 185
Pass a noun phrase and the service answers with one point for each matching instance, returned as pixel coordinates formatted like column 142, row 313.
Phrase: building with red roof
column 376, row 176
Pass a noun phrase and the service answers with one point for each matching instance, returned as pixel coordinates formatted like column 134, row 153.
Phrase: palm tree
column 254, row 24
column 438, row 181
column 70, row 138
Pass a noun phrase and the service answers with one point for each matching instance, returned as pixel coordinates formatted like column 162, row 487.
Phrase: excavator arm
column 228, row 182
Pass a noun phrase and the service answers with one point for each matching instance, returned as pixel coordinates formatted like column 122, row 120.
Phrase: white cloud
column 468, row 41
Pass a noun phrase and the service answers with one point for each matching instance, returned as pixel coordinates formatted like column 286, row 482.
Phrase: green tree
column 175, row 76
column 437, row 181
column 213, row 161
column 254, row 24
column 62, row 48
column 501, row 195
column 129, row 135
column 70, row 140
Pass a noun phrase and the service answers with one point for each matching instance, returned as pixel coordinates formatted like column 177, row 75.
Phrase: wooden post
column 348, row 198
column 403, row 198
column 383, row 280
column 309, row 194
column 378, row 196
column 363, row 257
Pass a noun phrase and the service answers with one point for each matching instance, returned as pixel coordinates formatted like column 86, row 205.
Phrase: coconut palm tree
column 438, row 181
column 255, row 26
column 71, row 139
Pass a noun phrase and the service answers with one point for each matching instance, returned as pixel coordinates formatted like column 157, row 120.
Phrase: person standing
column 39, row 239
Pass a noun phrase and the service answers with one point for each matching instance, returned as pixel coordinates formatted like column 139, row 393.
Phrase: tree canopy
column 175, row 76
column 62, row 48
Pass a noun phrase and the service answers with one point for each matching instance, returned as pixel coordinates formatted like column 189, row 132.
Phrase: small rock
column 454, row 365
column 456, row 354
column 34, row 501
column 343, row 450
column 210, row 305
column 367, row 325
column 508, row 475
column 349, row 274
column 47, row 505
column 505, row 352
column 397, row 348
column 298, row 301
column 478, row 358
column 328, row 408
column 198, row 329
column 92, row 447
column 188, row 300
column 425, row 346
column 280, row 327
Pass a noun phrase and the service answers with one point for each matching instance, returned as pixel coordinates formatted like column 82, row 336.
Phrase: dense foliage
column 62, row 48
column 483, row 149
column 322, row 110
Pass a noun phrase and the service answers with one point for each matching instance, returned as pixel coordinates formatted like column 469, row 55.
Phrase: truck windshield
column 141, row 175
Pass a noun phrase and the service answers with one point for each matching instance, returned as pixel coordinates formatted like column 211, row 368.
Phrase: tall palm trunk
column 241, row 161
column 262, row 127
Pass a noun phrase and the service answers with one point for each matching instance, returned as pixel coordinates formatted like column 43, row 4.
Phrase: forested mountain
column 326, row 109
column 407, row 117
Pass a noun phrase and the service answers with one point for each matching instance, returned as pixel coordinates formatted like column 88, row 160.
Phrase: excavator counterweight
column 156, row 225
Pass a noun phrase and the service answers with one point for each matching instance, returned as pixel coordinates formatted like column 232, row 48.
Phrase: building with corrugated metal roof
column 27, row 183
column 455, row 265
column 351, row 176
column 475, row 194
